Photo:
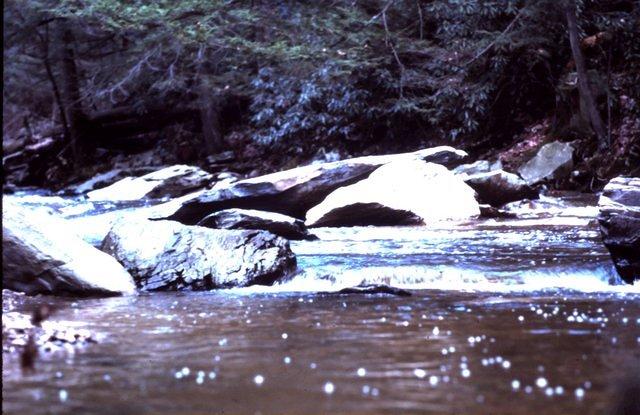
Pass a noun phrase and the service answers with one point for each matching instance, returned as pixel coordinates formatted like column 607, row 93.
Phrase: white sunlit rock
column 41, row 254
column 401, row 192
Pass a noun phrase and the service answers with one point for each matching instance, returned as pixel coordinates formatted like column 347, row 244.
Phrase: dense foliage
column 354, row 75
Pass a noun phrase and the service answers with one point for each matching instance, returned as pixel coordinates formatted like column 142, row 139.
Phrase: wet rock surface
column 499, row 187
column 552, row 161
column 105, row 179
column 619, row 220
column 166, row 255
column 398, row 193
column 41, row 255
column 480, row 166
column 276, row 223
column 293, row 192
column 491, row 212
column 171, row 181
column 372, row 289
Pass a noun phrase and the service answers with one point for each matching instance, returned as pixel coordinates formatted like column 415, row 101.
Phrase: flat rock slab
column 41, row 255
column 293, row 192
column 619, row 220
column 171, row 181
column 276, row 223
column 398, row 193
column 169, row 256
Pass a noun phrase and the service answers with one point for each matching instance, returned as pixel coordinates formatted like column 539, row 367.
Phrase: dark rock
column 553, row 161
column 620, row 225
column 276, row 223
column 41, row 255
column 372, row 289
column 490, row 212
column 398, row 193
column 221, row 158
column 166, row 255
column 293, row 192
column 367, row 214
column 499, row 187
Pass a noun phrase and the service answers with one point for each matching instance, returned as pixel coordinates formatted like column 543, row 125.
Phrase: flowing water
column 507, row 316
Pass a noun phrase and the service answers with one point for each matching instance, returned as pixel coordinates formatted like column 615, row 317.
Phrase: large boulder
column 499, row 187
column 41, row 255
column 293, row 192
column 553, row 161
column 276, row 223
column 401, row 192
column 166, row 255
column 620, row 225
column 171, row 181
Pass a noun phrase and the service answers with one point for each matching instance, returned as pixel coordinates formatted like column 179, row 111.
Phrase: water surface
column 507, row 316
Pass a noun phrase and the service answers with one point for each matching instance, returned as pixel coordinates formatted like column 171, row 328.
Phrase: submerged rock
column 172, row 181
column 293, row 192
column 20, row 334
column 373, row 289
column 499, row 187
column 166, row 255
column 276, row 223
column 41, row 255
column 398, row 193
column 552, row 161
column 620, row 225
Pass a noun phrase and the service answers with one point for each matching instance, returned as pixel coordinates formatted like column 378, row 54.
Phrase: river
column 517, row 316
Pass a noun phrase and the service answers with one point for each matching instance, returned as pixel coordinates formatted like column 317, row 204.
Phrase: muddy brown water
column 506, row 317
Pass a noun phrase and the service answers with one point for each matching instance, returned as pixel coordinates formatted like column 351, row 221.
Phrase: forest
column 281, row 82
column 321, row 207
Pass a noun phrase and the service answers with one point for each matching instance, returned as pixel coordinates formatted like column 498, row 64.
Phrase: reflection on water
column 303, row 353
column 513, row 316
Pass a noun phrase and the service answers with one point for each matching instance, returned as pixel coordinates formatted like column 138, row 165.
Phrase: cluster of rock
column 221, row 232
column 30, row 333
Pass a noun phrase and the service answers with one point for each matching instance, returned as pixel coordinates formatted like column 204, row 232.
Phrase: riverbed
column 517, row 316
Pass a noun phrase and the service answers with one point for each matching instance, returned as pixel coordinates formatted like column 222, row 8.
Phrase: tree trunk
column 209, row 104
column 52, row 79
column 70, row 91
column 210, row 120
column 586, row 95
